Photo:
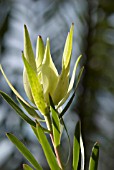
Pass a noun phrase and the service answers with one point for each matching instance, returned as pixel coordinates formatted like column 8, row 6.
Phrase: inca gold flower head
column 40, row 76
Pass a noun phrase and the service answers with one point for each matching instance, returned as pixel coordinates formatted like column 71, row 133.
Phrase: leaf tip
column 0, row 67
column 25, row 27
column 39, row 36
column 72, row 23
column 7, row 134
column 96, row 145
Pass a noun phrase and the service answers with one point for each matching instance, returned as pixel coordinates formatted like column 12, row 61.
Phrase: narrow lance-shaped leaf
column 30, row 110
column 29, row 55
column 27, row 86
column 68, row 157
column 26, row 167
column 50, row 157
column 68, row 48
column 73, row 95
column 13, row 89
column 74, row 73
column 63, row 81
column 76, row 146
column 26, row 153
column 17, row 109
column 93, row 164
column 28, row 51
column 55, row 127
column 62, row 86
column 35, row 132
column 36, row 88
column 71, row 81
column 55, row 123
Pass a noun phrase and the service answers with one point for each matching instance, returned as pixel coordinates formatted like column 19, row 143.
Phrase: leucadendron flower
column 40, row 76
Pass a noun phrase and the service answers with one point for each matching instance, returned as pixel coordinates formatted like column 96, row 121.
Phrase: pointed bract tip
column 39, row 36
column 25, row 26
column 48, row 42
column 48, row 39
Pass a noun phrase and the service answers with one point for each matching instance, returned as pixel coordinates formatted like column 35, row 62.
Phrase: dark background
column 94, row 39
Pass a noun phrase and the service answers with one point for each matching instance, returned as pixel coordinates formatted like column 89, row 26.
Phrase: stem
column 56, row 152
column 49, row 126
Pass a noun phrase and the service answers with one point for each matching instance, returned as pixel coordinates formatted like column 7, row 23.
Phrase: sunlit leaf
column 35, row 131
column 55, row 127
column 73, row 95
column 36, row 87
column 55, row 123
column 76, row 146
column 93, row 164
column 74, row 73
column 28, row 51
column 26, row 85
column 13, row 89
column 82, row 153
column 50, row 157
column 10, row 101
column 26, row 153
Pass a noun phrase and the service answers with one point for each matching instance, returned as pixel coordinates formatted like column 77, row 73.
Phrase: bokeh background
column 94, row 103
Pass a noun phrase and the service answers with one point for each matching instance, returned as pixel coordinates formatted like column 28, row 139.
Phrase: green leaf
column 17, row 109
column 36, row 88
column 55, row 123
column 68, row 157
column 76, row 146
column 51, row 102
column 35, row 132
column 73, row 95
column 26, row 167
column 55, row 127
column 26, row 153
column 26, row 85
column 50, row 157
column 13, row 89
column 28, row 51
column 93, row 164
column 30, row 110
